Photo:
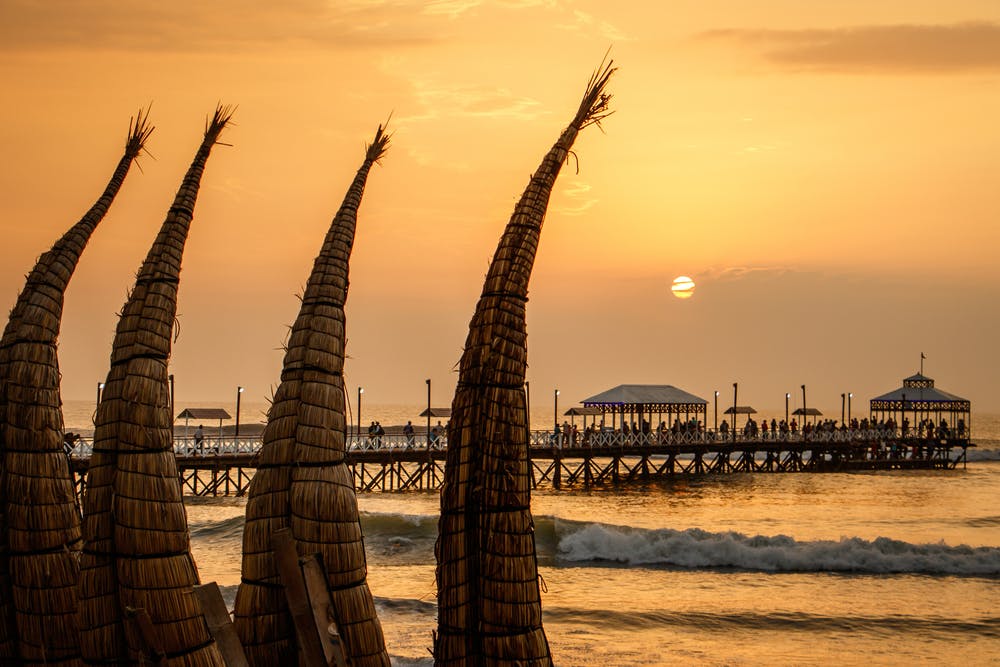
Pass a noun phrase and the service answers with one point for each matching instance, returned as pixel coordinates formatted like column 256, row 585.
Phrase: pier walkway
column 225, row 465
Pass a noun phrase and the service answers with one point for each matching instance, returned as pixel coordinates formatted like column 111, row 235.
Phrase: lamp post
column 100, row 388
column 735, row 390
column 173, row 413
column 716, row 410
column 555, row 411
column 361, row 390
column 843, row 398
column 803, row 404
column 849, row 397
column 239, row 395
column 787, row 396
column 428, row 381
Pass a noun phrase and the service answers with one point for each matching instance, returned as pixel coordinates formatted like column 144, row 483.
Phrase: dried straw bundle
column 136, row 551
column 39, row 517
column 489, row 606
column 302, row 482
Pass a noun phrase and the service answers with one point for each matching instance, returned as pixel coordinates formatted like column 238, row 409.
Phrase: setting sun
column 683, row 287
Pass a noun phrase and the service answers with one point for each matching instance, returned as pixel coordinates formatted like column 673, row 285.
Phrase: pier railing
column 613, row 439
column 600, row 440
column 224, row 465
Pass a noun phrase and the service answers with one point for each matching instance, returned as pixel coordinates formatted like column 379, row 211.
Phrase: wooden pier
column 397, row 464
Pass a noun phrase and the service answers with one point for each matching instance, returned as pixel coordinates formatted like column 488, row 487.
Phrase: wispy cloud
column 185, row 25
column 451, row 8
column 227, row 25
column 577, row 199
column 973, row 46
column 454, row 100
column 582, row 22
column 734, row 273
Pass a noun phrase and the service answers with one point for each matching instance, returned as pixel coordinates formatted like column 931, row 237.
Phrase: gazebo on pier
column 919, row 399
column 652, row 403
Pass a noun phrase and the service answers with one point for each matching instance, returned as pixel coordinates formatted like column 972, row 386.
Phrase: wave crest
column 694, row 548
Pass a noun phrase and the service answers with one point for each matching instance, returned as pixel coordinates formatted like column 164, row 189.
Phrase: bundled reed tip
column 139, row 130
column 595, row 104
column 220, row 119
column 379, row 145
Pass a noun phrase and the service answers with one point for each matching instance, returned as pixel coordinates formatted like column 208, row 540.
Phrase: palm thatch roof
column 489, row 601
column 39, row 516
column 136, row 560
column 302, row 482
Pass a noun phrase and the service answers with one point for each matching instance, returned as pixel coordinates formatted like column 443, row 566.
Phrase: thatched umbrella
column 39, row 518
column 136, row 557
column 301, row 481
column 489, row 606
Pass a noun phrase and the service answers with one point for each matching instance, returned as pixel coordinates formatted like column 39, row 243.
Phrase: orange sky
column 826, row 172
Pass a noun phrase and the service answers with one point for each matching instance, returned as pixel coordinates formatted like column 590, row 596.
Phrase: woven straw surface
column 136, row 545
column 302, row 482
column 489, row 600
column 39, row 517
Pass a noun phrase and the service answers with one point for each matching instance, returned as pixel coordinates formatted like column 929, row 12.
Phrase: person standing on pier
column 199, row 438
column 408, row 432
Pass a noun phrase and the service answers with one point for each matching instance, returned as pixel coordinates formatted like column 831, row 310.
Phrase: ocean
column 874, row 568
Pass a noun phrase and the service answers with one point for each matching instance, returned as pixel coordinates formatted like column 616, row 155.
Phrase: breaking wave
column 406, row 538
column 694, row 548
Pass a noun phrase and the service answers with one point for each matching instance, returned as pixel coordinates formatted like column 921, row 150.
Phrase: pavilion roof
column 808, row 412
column 577, row 412
column 444, row 413
column 203, row 413
column 920, row 394
column 644, row 394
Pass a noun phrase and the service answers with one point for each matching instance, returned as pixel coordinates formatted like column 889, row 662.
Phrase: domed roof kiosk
column 919, row 399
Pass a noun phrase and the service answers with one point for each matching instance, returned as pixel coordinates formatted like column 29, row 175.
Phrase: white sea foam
column 694, row 548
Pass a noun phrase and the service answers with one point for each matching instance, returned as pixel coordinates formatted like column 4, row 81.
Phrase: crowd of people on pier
column 568, row 434
column 886, row 437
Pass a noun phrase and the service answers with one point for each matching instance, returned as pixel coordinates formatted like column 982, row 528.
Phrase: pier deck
column 225, row 466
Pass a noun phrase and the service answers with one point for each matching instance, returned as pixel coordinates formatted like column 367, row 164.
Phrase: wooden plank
column 220, row 624
column 287, row 560
column 322, row 605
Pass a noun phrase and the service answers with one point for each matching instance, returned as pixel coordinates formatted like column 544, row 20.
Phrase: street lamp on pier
column 843, row 416
column 803, row 404
column 361, row 390
column 716, row 419
column 100, row 388
column 735, row 390
column 428, row 381
column 555, row 411
column 849, row 397
column 239, row 395
column 787, row 396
